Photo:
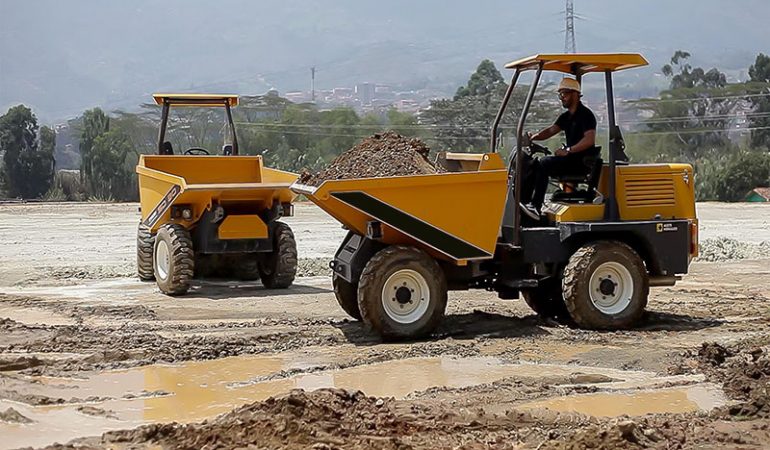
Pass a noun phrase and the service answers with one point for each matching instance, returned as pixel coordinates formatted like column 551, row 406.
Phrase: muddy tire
column 173, row 259
column 605, row 286
column 347, row 296
column 277, row 269
column 547, row 301
column 144, row 244
column 402, row 293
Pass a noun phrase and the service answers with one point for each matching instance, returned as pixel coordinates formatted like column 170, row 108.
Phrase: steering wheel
column 537, row 148
column 196, row 151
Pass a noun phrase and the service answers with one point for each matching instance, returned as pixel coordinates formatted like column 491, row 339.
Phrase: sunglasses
column 563, row 94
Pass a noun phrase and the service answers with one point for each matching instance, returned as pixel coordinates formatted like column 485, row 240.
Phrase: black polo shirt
column 575, row 126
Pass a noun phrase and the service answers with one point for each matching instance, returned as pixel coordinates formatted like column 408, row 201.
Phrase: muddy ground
column 87, row 351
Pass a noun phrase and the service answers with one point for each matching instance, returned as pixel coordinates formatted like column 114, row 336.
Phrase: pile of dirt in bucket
column 381, row 155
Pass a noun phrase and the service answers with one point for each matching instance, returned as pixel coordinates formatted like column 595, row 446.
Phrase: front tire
column 278, row 268
column 402, row 293
column 605, row 286
column 145, row 242
column 173, row 259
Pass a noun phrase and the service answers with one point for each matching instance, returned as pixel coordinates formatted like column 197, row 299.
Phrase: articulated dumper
column 590, row 259
column 221, row 210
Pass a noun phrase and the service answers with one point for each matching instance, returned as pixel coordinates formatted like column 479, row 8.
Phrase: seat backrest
column 593, row 176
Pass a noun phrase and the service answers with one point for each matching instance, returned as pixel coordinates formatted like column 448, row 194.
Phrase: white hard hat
column 569, row 83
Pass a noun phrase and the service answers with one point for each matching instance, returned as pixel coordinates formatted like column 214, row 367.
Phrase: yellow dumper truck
column 221, row 210
column 590, row 259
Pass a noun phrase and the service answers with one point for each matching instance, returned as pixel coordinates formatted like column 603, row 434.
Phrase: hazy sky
column 61, row 57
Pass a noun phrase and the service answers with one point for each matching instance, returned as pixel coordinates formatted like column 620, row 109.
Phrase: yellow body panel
column 465, row 205
column 204, row 180
column 644, row 192
column 245, row 226
column 580, row 62
column 471, row 162
column 197, row 100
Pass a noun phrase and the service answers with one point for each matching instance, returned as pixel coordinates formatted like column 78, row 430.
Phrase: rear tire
column 347, row 296
column 402, row 293
column 278, row 268
column 173, row 259
column 605, row 286
column 144, row 246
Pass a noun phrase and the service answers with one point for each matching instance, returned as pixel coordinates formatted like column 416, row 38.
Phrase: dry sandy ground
column 85, row 349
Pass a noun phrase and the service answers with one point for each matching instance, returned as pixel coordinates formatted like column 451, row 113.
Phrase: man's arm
column 545, row 133
column 588, row 141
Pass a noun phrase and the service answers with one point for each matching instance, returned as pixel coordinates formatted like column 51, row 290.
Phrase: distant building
column 365, row 93
column 759, row 195
column 342, row 92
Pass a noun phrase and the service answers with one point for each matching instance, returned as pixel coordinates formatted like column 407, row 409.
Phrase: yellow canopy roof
column 203, row 100
column 580, row 62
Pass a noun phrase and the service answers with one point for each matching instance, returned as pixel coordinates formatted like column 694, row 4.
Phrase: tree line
column 722, row 128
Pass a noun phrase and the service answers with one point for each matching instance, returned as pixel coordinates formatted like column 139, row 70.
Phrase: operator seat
column 590, row 179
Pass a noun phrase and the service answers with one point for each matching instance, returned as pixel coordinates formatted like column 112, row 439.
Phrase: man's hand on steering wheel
column 537, row 148
column 562, row 151
column 196, row 151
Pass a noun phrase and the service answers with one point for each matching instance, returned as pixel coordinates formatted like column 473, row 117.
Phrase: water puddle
column 611, row 404
column 202, row 389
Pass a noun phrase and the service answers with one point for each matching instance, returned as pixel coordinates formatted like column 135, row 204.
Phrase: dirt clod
column 10, row 415
column 380, row 155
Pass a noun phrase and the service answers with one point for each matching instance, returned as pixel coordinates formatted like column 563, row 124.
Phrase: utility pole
column 312, row 84
column 569, row 29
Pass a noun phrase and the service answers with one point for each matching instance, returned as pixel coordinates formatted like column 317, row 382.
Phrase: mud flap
column 352, row 256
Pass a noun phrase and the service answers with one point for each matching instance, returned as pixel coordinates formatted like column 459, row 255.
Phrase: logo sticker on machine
column 163, row 206
column 664, row 227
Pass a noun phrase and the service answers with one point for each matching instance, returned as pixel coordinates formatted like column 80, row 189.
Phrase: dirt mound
column 744, row 371
column 726, row 249
column 324, row 419
column 381, row 155
column 10, row 415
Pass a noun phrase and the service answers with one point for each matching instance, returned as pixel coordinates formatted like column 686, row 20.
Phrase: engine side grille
column 650, row 192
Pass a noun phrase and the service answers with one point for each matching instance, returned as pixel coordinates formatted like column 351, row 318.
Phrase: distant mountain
column 63, row 57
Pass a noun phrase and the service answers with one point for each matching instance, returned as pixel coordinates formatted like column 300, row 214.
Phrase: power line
column 695, row 99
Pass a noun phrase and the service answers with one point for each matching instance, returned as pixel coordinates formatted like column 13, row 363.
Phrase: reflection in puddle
column 691, row 399
column 203, row 389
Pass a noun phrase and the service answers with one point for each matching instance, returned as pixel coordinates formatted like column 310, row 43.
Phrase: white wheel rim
column 611, row 288
column 162, row 259
column 405, row 296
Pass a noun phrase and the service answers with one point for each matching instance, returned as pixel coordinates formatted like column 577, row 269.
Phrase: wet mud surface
column 112, row 363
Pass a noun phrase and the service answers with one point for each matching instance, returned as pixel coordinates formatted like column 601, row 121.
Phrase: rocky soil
column 381, row 155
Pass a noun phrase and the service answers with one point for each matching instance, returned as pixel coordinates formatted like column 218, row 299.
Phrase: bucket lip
column 303, row 188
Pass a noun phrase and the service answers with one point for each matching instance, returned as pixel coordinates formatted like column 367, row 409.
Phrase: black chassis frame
column 205, row 234
column 662, row 244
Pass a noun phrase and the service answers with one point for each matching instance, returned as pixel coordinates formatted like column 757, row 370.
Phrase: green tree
column 730, row 177
column 462, row 124
column 111, row 178
column 94, row 123
column 28, row 161
column 759, row 118
column 486, row 80
column 403, row 123
column 690, row 119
